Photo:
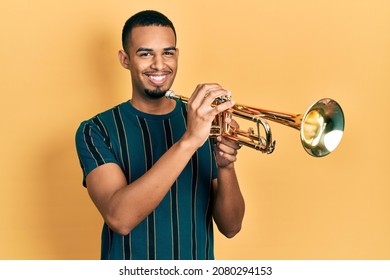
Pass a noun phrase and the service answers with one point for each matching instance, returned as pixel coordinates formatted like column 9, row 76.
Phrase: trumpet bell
column 322, row 127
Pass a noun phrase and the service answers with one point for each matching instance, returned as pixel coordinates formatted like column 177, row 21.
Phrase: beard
column 155, row 94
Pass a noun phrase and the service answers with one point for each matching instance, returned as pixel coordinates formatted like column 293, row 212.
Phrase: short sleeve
column 93, row 148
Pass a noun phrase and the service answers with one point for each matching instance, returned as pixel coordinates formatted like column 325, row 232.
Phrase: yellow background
column 59, row 66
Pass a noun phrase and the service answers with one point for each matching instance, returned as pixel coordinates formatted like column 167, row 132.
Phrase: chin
column 156, row 93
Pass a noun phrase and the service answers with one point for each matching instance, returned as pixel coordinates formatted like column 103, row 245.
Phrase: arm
column 124, row 206
column 229, row 205
column 119, row 203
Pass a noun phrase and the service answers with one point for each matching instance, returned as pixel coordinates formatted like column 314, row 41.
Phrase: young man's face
column 153, row 60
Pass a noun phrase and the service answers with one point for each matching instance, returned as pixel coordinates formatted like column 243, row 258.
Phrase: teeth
column 157, row 78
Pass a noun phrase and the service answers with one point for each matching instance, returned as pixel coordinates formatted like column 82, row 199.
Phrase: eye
column 144, row 54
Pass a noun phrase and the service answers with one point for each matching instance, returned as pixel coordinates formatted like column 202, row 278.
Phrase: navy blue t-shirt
column 181, row 226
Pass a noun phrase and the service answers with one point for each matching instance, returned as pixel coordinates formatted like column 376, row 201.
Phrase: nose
column 158, row 62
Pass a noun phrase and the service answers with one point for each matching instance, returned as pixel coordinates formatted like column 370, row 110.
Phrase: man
column 148, row 163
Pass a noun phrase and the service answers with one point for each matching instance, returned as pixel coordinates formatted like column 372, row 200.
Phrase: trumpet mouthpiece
column 169, row 94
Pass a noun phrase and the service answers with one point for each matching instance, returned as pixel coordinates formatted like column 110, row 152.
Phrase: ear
column 123, row 59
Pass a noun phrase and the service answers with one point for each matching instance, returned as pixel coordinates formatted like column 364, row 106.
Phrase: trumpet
column 321, row 127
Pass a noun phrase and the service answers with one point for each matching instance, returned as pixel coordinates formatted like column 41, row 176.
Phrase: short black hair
column 144, row 18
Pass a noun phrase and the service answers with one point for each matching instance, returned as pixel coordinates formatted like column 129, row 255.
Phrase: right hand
column 201, row 114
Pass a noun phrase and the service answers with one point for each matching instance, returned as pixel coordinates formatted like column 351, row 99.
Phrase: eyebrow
column 150, row 50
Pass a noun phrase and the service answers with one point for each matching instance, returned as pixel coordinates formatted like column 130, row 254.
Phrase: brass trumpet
column 321, row 127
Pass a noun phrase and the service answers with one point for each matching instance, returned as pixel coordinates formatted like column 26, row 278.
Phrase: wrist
column 228, row 167
column 186, row 145
column 192, row 140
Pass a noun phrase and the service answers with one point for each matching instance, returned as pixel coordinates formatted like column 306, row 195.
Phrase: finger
column 209, row 96
column 202, row 90
column 228, row 142
column 228, row 157
column 232, row 122
column 214, row 93
column 230, row 149
column 223, row 107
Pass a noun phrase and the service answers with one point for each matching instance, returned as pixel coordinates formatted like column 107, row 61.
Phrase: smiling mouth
column 157, row 79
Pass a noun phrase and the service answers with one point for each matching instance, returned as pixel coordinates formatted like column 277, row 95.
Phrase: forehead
column 153, row 37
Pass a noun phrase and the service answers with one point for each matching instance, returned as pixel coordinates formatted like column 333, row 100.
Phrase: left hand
column 226, row 149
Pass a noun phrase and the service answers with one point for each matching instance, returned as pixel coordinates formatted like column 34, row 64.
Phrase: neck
column 159, row 106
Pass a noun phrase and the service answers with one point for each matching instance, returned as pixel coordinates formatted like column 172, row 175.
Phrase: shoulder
column 102, row 118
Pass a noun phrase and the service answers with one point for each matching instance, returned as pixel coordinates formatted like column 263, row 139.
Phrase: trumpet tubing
column 321, row 127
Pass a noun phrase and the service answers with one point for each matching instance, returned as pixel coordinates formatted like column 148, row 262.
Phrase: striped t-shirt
column 181, row 226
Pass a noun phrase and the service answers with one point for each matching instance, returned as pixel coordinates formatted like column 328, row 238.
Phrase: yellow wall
column 59, row 66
